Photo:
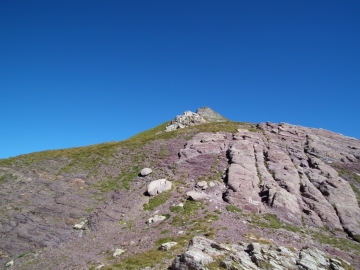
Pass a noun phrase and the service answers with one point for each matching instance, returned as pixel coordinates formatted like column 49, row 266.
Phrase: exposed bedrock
column 242, row 178
column 286, row 170
column 338, row 193
column 205, row 143
column 203, row 252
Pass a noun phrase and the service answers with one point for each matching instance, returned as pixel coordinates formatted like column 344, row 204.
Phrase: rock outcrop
column 203, row 252
column 188, row 118
column 285, row 170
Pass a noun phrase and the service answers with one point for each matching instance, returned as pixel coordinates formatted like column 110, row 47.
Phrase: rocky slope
column 283, row 187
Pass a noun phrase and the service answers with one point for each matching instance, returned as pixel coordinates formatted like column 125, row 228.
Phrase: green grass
column 87, row 158
column 148, row 258
column 271, row 221
column 4, row 177
column 90, row 158
column 189, row 210
column 157, row 200
column 163, row 151
column 341, row 243
column 232, row 208
column 127, row 179
column 211, row 217
column 176, row 209
column 153, row 257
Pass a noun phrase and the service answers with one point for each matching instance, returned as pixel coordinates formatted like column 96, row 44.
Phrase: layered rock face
column 286, row 170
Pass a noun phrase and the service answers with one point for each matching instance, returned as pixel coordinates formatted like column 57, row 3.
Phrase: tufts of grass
column 127, row 179
column 340, row 243
column 154, row 257
column 148, row 258
column 271, row 221
column 188, row 211
column 6, row 177
column 211, row 217
column 356, row 237
column 253, row 237
column 191, row 206
column 176, row 209
column 232, row 208
column 157, row 200
column 90, row 157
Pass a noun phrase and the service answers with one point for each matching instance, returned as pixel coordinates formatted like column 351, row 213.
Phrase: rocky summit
column 188, row 118
column 197, row 192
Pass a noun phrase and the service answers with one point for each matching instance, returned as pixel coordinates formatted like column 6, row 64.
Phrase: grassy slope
column 85, row 156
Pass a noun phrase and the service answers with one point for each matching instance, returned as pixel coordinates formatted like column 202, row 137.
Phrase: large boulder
column 197, row 196
column 158, row 186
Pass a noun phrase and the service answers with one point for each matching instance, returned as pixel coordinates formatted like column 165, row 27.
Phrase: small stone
column 156, row 218
column 211, row 184
column 145, row 171
column 197, row 196
column 99, row 266
column 118, row 252
column 202, row 184
column 8, row 264
column 168, row 245
column 181, row 205
column 80, row 225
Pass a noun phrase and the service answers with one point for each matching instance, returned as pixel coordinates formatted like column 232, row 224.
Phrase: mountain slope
column 265, row 181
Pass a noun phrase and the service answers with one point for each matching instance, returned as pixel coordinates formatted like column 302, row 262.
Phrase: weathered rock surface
column 201, row 252
column 202, row 184
column 158, row 186
column 186, row 119
column 197, row 196
column 280, row 170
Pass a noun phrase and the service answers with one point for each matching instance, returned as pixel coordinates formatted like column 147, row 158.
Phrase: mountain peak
column 189, row 118
column 210, row 115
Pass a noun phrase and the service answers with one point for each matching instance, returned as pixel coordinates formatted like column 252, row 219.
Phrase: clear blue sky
column 75, row 73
